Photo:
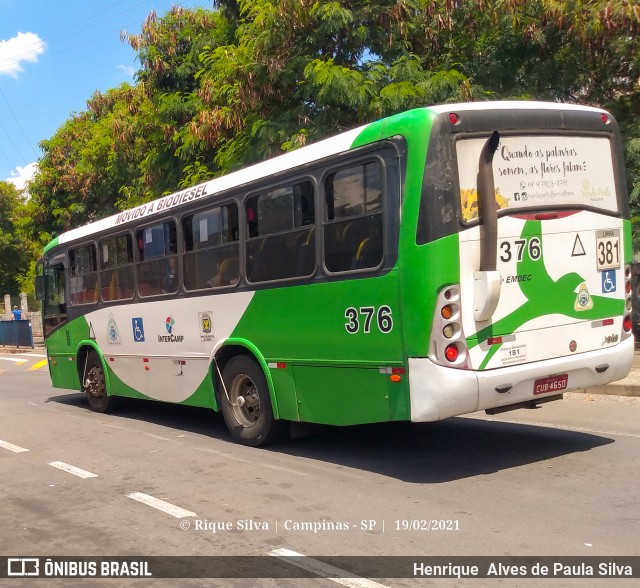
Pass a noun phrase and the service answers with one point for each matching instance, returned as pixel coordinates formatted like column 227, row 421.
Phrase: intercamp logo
column 168, row 323
column 170, row 337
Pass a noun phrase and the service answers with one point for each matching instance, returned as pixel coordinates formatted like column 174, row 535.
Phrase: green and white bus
column 438, row 262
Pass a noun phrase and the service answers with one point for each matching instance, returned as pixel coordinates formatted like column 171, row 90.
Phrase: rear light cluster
column 447, row 345
column 627, row 322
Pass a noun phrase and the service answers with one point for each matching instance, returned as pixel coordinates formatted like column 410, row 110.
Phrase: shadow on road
column 427, row 453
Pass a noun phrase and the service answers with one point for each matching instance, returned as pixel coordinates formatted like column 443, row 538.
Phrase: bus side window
column 281, row 240
column 117, row 272
column 211, row 248
column 157, row 267
column 353, row 224
column 84, row 275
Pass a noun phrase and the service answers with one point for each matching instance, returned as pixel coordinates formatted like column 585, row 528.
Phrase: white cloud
column 128, row 70
column 13, row 52
column 22, row 175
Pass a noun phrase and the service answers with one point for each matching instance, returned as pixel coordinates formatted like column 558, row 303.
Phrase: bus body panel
column 548, row 301
column 63, row 371
column 334, row 335
column 162, row 350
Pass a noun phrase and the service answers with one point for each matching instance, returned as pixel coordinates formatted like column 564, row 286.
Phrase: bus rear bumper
column 438, row 392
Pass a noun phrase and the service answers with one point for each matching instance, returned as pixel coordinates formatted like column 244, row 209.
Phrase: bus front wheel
column 246, row 403
column 94, row 386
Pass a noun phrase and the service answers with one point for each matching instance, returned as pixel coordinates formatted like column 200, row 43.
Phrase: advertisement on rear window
column 540, row 171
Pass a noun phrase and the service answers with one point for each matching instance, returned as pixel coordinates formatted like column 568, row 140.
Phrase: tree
column 296, row 71
column 12, row 249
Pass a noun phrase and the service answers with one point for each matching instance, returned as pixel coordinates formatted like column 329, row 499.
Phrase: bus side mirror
column 39, row 287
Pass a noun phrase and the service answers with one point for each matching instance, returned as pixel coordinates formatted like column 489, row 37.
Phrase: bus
column 442, row 261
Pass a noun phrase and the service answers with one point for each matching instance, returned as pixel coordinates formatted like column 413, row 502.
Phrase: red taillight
column 447, row 345
column 454, row 118
column 451, row 352
column 627, row 324
column 605, row 119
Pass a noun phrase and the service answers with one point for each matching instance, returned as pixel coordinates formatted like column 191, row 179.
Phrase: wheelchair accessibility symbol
column 138, row 330
column 608, row 281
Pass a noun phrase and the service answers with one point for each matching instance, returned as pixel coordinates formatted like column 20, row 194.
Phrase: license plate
column 556, row 383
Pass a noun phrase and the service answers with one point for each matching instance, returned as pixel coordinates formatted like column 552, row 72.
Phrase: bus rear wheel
column 246, row 405
column 94, row 386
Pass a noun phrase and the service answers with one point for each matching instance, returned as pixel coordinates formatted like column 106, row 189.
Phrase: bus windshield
column 541, row 171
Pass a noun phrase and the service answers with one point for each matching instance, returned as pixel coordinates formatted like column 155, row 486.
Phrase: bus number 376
column 361, row 319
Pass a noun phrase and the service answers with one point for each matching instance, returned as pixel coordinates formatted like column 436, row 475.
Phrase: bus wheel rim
column 247, row 414
column 94, row 386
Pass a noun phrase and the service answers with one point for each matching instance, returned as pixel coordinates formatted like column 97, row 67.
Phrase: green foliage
column 220, row 88
column 13, row 250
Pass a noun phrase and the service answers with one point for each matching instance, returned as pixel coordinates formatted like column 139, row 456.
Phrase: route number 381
column 362, row 318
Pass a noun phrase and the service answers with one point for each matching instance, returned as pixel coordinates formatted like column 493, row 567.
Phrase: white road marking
column 65, row 467
column 12, row 447
column 282, row 469
column 220, row 453
column 14, row 359
column 156, row 437
column 324, row 570
column 30, row 354
column 172, row 509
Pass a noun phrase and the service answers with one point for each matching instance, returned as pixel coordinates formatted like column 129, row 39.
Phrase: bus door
column 51, row 290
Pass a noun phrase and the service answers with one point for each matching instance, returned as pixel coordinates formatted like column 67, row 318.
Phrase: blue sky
column 53, row 55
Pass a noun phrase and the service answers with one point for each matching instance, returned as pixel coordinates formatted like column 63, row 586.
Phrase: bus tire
column 94, row 386
column 251, row 422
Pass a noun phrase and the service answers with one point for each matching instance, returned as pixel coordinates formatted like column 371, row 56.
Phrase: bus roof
column 276, row 165
column 512, row 105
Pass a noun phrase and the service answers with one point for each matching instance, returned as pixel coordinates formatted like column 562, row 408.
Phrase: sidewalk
column 630, row 386
column 38, row 344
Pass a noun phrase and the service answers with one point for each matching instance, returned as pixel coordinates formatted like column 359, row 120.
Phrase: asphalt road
column 561, row 480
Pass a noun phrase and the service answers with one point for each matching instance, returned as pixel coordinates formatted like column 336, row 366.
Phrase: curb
column 614, row 389
column 36, row 347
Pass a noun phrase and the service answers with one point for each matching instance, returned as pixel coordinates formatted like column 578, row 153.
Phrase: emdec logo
column 170, row 337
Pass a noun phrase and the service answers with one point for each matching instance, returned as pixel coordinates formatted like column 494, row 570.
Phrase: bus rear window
column 536, row 171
